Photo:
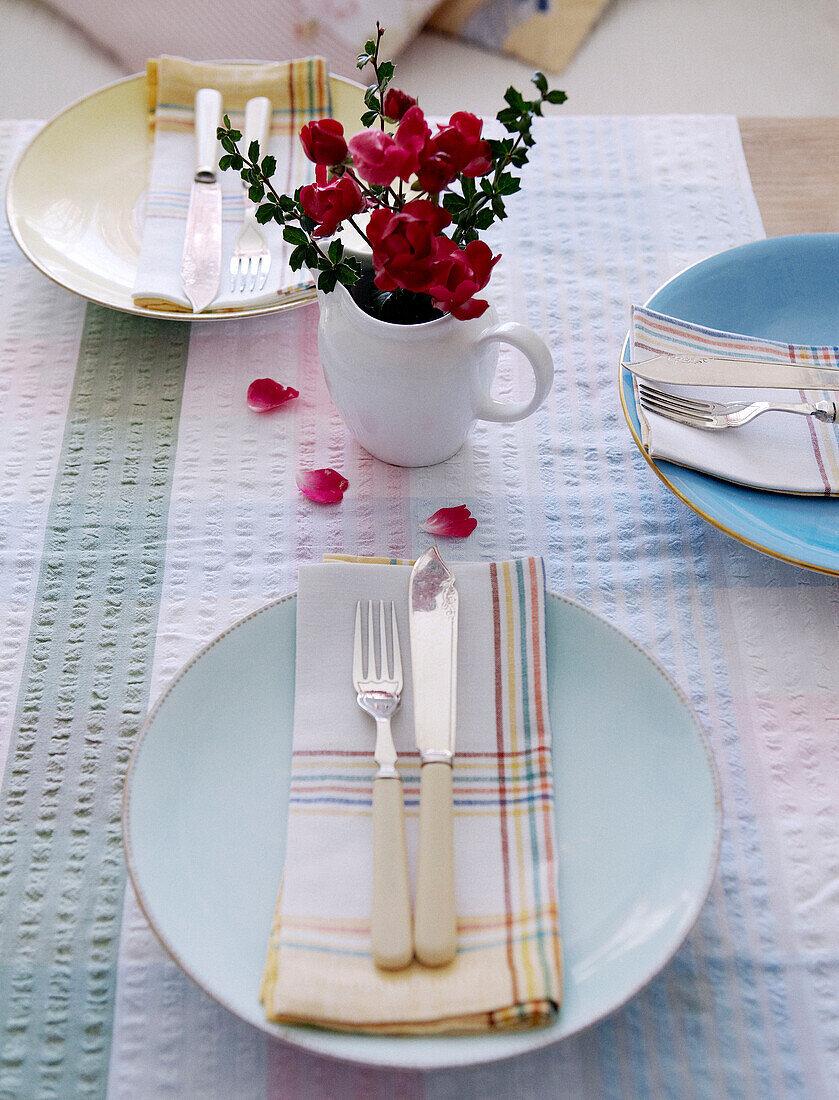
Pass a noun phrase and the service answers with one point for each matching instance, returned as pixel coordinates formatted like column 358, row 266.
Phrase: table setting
column 400, row 517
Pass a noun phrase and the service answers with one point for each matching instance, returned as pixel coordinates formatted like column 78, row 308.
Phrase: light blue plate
column 784, row 288
column 638, row 820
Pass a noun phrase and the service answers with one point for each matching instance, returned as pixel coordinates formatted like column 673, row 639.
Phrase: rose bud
column 323, row 141
column 397, row 103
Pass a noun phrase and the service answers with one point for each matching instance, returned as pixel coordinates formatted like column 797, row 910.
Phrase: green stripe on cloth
column 83, row 695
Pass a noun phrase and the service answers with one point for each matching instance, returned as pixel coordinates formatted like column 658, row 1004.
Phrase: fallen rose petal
column 323, row 486
column 265, row 394
column 451, row 523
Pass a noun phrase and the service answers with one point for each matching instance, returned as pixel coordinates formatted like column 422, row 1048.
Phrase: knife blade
column 432, row 619
column 686, row 370
column 201, row 259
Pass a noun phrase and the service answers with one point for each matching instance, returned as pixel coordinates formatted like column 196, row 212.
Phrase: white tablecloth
column 144, row 508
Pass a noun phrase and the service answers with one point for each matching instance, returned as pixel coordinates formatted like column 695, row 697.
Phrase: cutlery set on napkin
column 720, row 380
column 431, row 649
column 201, row 248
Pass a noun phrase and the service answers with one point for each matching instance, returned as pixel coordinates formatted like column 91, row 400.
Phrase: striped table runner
column 144, row 508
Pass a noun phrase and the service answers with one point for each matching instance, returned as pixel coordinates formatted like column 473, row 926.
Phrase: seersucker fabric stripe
column 82, row 697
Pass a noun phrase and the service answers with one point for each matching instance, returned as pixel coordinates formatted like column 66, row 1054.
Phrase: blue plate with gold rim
column 783, row 288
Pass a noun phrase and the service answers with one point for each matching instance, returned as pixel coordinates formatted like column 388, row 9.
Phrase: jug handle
column 535, row 350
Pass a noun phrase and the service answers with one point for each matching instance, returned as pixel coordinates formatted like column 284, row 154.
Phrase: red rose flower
column 435, row 170
column 458, row 274
column 323, row 141
column 405, row 245
column 379, row 158
column 462, row 144
column 397, row 103
column 328, row 204
column 412, row 134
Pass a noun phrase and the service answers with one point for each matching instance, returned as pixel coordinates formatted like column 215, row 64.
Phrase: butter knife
column 432, row 618
column 201, row 260
column 687, row 370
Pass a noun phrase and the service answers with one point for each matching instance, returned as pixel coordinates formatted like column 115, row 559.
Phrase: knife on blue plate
column 432, row 618
column 687, row 370
column 201, row 260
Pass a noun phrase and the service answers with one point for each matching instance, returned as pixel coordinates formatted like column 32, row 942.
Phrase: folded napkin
column 299, row 92
column 789, row 454
column 506, row 973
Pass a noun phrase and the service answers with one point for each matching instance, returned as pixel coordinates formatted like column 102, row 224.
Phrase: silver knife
column 201, row 260
column 687, row 370
column 432, row 617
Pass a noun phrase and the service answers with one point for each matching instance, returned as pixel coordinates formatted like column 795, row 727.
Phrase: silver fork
column 250, row 261
column 714, row 416
column 379, row 689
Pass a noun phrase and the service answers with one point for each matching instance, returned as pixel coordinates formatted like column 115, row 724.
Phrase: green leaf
column 556, row 96
column 266, row 212
column 369, row 117
column 253, row 152
column 235, row 135
column 269, row 166
column 516, row 100
column 508, row 184
column 256, row 193
column 469, row 187
column 307, row 223
column 226, row 121
column 227, row 144
column 313, row 257
column 225, row 162
column 485, row 217
column 541, row 82
column 327, row 281
column 297, row 258
column 336, row 251
column 519, row 158
column 371, row 96
column 278, row 216
column 363, row 59
column 453, row 203
column 237, row 162
column 386, row 70
column 287, row 203
column 347, row 275
column 294, row 235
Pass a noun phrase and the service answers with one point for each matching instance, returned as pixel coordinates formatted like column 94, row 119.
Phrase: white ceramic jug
column 410, row 393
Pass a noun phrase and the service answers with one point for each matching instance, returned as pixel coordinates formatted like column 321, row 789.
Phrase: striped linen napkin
column 789, row 454
column 507, row 970
column 299, row 92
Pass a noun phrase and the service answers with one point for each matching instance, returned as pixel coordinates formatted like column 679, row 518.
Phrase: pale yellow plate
column 73, row 197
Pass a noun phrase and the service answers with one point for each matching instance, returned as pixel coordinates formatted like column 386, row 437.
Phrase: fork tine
column 384, row 662
column 397, row 656
column 666, row 408
column 357, row 671
column 372, row 668
column 677, row 400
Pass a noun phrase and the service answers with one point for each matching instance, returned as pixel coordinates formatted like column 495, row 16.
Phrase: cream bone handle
column 257, row 125
column 392, row 943
column 435, row 921
column 207, row 119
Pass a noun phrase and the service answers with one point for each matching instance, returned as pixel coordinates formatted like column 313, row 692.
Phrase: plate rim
column 307, row 1037
column 656, row 468
column 13, row 219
